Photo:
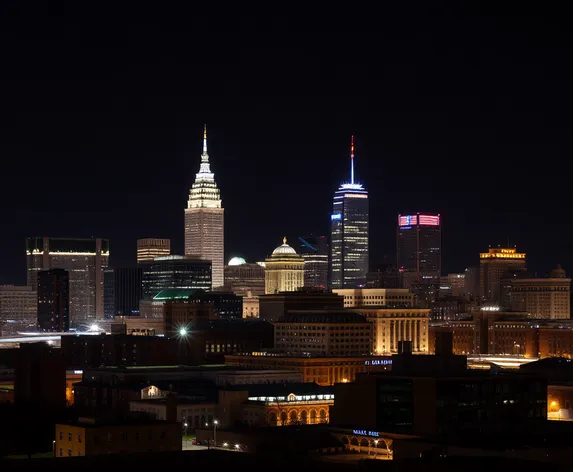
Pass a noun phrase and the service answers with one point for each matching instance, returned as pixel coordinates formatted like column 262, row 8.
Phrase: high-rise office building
column 314, row 251
column 123, row 289
column 349, row 233
column 54, row 300
column 495, row 266
column 150, row 248
column 419, row 245
column 175, row 272
column 204, row 220
column 85, row 260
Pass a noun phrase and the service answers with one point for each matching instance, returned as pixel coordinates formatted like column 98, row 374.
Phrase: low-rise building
column 324, row 370
column 89, row 437
column 438, row 395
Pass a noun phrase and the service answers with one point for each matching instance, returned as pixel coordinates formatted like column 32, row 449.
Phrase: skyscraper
column 349, row 233
column 85, row 260
column 419, row 247
column 54, row 300
column 314, row 251
column 204, row 220
column 494, row 266
column 150, row 248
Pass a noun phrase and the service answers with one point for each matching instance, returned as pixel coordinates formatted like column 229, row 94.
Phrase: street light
column 185, row 426
column 182, row 331
column 215, row 423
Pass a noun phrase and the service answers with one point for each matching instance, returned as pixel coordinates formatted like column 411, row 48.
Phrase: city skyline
column 436, row 134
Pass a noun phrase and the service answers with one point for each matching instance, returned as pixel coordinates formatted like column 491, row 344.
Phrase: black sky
column 466, row 112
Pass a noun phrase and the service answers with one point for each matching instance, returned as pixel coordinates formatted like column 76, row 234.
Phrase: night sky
column 455, row 112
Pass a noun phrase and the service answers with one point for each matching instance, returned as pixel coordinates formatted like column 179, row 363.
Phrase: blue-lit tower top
column 349, row 233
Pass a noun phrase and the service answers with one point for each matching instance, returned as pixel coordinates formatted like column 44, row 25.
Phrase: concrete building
column 321, row 369
column 250, row 306
column 389, row 297
column 18, row 303
column 495, row 265
column 541, row 297
column 437, row 395
column 327, row 333
column 284, row 270
column 205, row 220
column 85, row 260
column 242, row 277
column 272, row 307
column 150, row 248
column 89, row 437
column 391, row 326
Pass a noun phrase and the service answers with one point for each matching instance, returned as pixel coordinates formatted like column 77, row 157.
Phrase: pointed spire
column 352, row 159
column 205, row 140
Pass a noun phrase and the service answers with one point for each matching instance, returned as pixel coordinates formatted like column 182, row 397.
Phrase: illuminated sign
column 429, row 220
column 363, row 432
column 336, row 216
column 379, row 362
column 407, row 220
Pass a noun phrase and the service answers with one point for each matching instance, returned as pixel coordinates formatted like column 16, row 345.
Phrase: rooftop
column 130, row 421
column 323, row 316
column 282, row 389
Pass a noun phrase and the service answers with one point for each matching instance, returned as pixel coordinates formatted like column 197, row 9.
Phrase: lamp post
column 215, row 423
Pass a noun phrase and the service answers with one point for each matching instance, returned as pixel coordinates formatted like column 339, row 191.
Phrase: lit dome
column 235, row 261
column 284, row 249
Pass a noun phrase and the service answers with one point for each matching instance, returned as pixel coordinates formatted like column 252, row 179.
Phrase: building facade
column 389, row 297
column 315, row 368
column 284, row 270
column 542, row 297
column 495, row 265
column 54, row 300
column 18, row 303
column 419, row 244
column 242, row 277
column 326, row 332
column 123, row 290
column 314, row 251
column 150, row 248
column 85, row 261
column 204, row 220
column 175, row 272
column 392, row 326
column 91, row 438
column 349, row 249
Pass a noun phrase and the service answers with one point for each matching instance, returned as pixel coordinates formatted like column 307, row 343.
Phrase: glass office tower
column 349, row 233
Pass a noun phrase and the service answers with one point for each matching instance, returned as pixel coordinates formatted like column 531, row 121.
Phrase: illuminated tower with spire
column 204, row 219
column 349, row 233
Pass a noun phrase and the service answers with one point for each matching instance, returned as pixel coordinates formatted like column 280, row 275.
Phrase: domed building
column 284, row 270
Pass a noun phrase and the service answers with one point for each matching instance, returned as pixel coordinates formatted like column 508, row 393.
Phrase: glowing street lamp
column 215, row 423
